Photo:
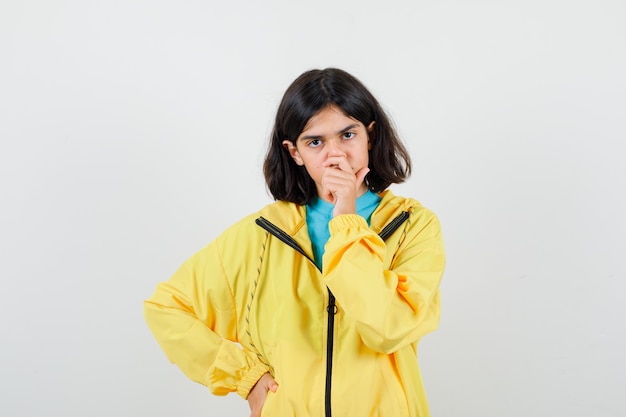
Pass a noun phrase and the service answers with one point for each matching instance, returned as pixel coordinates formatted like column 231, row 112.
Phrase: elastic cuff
column 345, row 221
column 250, row 379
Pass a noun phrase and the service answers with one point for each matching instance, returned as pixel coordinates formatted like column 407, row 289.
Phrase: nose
column 334, row 148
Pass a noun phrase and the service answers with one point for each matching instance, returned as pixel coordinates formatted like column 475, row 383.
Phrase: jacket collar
column 291, row 217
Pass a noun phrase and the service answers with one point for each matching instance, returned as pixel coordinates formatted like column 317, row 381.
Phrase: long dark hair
column 314, row 90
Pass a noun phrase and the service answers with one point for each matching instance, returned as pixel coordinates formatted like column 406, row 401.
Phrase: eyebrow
column 317, row 137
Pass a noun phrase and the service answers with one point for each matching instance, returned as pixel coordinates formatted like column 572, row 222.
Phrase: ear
column 293, row 151
column 371, row 134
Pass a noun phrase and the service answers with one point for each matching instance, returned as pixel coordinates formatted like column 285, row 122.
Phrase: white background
column 133, row 132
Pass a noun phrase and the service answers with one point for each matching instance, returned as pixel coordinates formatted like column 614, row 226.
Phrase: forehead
column 329, row 120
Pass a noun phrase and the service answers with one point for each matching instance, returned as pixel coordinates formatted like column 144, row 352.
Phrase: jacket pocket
column 272, row 407
column 396, row 399
column 268, row 409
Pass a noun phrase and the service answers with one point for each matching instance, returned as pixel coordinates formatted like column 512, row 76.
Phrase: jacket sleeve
column 391, row 307
column 194, row 319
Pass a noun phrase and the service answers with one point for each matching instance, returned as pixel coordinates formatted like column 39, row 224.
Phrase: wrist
column 344, row 206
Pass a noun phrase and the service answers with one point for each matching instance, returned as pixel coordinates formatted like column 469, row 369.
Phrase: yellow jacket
column 341, row 341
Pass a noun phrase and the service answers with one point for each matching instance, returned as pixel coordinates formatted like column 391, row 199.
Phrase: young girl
column 314, row 305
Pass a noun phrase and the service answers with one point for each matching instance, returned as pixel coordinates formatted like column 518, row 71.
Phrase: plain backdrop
column 133, row 132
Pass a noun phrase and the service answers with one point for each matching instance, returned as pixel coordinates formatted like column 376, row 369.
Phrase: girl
column 314, row 305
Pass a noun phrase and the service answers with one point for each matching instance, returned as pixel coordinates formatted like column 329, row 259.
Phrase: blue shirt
column 319, row 213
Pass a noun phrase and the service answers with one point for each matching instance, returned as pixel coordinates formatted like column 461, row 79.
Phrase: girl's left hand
column 258, row 394
column 341, row 186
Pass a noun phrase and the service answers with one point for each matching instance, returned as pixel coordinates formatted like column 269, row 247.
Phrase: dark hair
column 315, row 90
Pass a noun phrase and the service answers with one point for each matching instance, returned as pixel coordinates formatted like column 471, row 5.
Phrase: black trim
column 330, row 341
column 332, row 307
column 393, row 225
column 282, row 236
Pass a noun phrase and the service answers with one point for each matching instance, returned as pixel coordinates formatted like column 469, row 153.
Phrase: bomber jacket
column 339, row 342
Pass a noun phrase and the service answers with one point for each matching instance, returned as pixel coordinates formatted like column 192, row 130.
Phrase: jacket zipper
column 332, row 307
column 330, row 337
column 393, row 225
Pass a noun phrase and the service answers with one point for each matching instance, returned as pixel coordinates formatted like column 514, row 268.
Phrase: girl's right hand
column 341, row 185
column 258, row 394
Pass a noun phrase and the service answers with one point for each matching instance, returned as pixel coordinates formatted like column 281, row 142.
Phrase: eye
column 348, row 135
column 314, row 143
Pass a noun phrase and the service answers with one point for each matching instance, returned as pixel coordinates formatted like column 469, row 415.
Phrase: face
column 331, row 134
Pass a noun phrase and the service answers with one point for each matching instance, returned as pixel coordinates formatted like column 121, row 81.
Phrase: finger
column 360, row 176
column 336, row 180
column 335, row 161
column 339, row 173
column 330, row 186
column 271, row 384
column 344, row 165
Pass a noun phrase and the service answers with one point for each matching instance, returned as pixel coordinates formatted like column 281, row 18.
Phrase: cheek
column 364, row 156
